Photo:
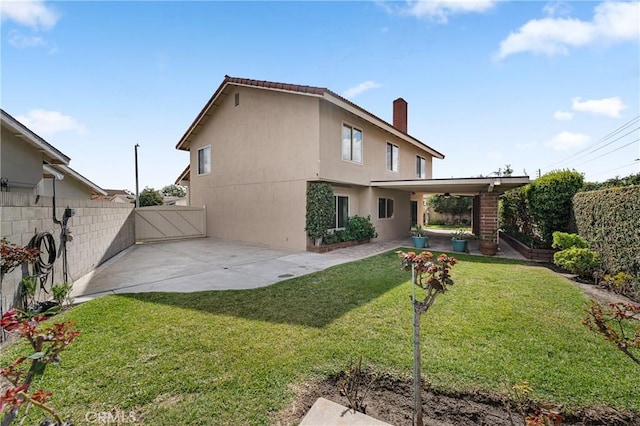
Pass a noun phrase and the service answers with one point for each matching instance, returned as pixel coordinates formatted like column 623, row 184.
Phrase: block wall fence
column 100, row 229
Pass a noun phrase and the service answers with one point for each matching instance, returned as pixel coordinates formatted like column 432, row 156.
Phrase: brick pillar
column 488, row 214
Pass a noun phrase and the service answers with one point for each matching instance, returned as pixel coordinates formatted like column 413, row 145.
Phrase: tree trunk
column 417, row 376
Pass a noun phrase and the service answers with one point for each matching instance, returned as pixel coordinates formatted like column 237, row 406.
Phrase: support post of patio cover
column 488, row 204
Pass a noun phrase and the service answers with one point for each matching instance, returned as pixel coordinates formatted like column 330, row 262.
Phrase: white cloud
column 360, row 88
column 610, row 107
column 567, row 140
column 562, row 115
column 48, row 123
column 17, row 39
column 440, row 10
column 30, row 13
column 612, row 22
column 556, row 8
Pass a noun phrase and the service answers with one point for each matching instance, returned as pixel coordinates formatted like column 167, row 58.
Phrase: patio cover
column 456, row 186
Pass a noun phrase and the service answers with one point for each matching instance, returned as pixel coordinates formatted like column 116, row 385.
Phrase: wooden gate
column 158, row 223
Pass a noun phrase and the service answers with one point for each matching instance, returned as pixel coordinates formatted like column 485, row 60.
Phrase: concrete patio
column 212, row 264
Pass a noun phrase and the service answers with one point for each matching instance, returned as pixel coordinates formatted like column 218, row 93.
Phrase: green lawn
column 450, row 227
column 232, row 356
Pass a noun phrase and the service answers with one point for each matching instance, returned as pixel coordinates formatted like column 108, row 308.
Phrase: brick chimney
column 400, row 114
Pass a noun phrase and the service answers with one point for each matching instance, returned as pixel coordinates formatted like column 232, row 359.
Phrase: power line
column 616, row 139
column 607, row 153
column 601, row 140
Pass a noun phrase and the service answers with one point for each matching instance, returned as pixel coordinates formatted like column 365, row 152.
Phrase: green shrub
column 342, row 236
column 515, row 218
column 564, row 241
column 622, row 283
column 61, row 293
column 330, row 239
column 549, row 201
column 360, row 228
column 580, row 261
column 320, row 209
column 610, row 220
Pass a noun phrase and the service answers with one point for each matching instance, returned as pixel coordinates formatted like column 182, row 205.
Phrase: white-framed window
column 421, row 167
column 204, row 160
column 385, row 208
column 351, row 144
column 392, row 157
column 341, row 204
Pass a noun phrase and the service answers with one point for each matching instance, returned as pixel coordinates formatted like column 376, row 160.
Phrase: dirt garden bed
column 390, row 400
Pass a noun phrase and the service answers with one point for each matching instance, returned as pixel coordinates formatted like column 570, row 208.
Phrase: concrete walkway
column 213, row 264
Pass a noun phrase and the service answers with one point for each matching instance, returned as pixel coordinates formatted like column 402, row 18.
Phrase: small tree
column 618, row 323
column 434, row 278
column 150, row 197
column 508, row 171
column 46, row 345
column 174, row 191
column 549, row 200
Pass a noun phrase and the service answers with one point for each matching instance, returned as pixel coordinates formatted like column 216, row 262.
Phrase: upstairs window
column 392, row 157
column 341, row 217
column 385, row 208
column 351, row 144
column 421, row 167
column 204, row 160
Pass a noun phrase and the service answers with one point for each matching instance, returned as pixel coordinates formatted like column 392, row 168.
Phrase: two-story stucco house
column 256, row 145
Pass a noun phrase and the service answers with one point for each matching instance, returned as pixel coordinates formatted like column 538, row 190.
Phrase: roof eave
column 378, row 122
column 54, row 156
column 184, row 175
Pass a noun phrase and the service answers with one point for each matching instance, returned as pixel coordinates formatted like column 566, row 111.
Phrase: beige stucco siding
column 398, row 225
column 66, row 188
column 363, row 201
column 263, row 152
column 20, row 164
column 374, row 151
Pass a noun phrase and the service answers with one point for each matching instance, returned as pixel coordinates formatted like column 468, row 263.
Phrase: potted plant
column 489, row 246
column 419, row 237
column 460, row 239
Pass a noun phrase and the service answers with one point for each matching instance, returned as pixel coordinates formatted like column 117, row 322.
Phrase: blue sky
column 537, row 85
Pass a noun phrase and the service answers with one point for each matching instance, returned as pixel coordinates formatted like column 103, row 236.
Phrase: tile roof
column 312, row 90
column 275, row 85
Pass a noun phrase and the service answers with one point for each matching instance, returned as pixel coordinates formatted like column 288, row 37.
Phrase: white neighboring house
column 174, row 201
column 29, row 164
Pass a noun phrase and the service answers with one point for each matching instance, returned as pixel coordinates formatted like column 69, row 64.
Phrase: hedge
column 610, row 220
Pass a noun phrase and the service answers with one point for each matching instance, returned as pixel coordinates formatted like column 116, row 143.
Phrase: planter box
column 336, row 246
column 539, row 255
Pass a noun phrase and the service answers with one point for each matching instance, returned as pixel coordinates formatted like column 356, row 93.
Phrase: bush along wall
column 610, row 220
column 320, row 209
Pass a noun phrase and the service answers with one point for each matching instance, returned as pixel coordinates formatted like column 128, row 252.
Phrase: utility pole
column 135, row 148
